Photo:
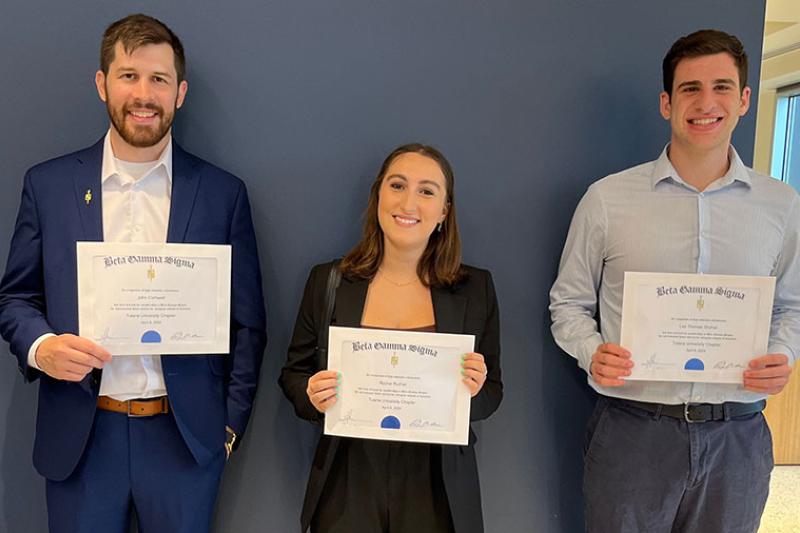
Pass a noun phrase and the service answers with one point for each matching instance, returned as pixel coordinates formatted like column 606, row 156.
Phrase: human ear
column 100, row 84
column 664, row 105
column 183, row 86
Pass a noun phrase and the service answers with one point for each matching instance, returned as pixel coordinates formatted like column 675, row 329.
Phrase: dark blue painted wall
column 530, row 100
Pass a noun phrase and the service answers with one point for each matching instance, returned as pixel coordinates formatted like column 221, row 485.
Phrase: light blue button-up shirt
column 647, row 219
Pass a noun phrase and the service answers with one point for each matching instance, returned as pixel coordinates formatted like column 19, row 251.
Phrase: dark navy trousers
column 647, row 474
column 139, row 465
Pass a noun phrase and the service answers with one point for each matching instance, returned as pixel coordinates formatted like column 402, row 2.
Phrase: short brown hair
column 135, row 31
column 704, row 43
column 440, row 264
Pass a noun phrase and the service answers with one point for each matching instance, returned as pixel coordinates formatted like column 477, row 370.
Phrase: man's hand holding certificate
column 694, row 327
column 397, row 385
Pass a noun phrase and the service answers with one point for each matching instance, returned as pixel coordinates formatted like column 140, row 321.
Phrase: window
column 786, row 146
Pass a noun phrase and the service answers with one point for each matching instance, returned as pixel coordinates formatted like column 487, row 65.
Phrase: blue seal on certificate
column 390, row 422
column 151, row 336
column 694, row 364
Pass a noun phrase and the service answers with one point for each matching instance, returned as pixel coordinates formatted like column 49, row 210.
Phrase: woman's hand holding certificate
column 474, row 370
column 323, row 389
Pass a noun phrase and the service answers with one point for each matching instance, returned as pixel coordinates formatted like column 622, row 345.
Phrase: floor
column 782, row 514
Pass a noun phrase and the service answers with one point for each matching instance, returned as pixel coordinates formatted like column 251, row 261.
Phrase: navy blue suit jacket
column 38, row 295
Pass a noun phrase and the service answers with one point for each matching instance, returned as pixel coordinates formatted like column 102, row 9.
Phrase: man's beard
column 140, row 136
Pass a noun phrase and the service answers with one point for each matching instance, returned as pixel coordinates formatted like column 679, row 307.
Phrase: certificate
column 144, row 298
column 399, row 385
column 695, row 327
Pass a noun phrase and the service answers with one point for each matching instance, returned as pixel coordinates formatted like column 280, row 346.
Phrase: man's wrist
column 32, row 362
column 782, row 349
column 590, row 346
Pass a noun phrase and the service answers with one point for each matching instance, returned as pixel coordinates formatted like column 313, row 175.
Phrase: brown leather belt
column 148, row 407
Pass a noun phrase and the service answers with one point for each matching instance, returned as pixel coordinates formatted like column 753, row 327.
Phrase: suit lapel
column 350, row 299
column 184, row 191
column 449, row 310
column 88, row 191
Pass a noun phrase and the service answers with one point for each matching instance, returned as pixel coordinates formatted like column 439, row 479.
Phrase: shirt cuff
column 589, row 347
column 33, row 348
column 782, row 348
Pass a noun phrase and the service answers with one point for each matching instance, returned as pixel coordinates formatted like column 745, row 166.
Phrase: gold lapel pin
column 88, row 196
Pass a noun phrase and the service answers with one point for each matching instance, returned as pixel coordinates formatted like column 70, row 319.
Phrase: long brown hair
column 440, row 264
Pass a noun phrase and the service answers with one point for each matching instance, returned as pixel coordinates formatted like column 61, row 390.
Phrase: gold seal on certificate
column 145, row 298
column 399, row 385
column 695, row 327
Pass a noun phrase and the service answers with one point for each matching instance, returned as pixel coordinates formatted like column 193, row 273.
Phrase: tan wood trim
column 783, row 417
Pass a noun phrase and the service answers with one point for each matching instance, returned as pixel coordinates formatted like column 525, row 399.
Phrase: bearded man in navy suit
column 143, row 434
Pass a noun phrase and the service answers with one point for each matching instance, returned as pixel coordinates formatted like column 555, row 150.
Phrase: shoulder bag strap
column 334, row 278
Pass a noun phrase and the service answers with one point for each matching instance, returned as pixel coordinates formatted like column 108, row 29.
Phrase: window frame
column 786, row 134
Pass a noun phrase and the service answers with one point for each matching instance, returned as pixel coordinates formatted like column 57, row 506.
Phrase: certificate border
column 632, row 282
column 221, row 252
column 460, row 432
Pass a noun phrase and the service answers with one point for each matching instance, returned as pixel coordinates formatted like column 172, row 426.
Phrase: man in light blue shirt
column 667, row 456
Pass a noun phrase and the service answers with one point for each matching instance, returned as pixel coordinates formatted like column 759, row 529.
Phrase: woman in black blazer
column 405, row 273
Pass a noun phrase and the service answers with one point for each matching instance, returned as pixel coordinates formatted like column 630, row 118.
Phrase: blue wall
column 530, row 100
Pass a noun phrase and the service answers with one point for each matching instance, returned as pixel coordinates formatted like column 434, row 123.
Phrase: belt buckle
column 686, row 416
column 130, row 414
column 136, row 415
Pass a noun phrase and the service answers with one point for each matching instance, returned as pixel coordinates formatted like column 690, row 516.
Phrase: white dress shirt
column 136, row 203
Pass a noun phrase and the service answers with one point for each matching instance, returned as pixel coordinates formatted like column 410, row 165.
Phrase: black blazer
column 469, row 307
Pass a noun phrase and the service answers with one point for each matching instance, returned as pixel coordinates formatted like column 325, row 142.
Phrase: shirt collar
column 737, row 171
column 109, row 168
